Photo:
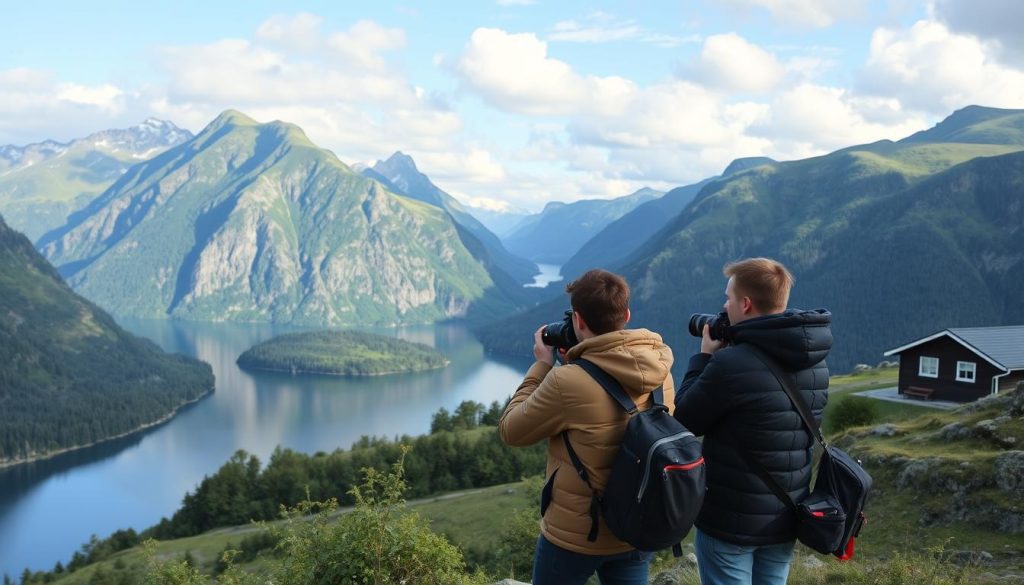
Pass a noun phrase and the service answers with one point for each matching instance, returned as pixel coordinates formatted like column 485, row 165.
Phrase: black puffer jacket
column 732, row 399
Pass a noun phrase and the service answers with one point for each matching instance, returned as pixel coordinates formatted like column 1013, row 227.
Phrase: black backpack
column 656, row 485
column 831, row 516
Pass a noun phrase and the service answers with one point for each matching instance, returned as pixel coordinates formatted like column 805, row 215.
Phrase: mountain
column 556, row 233
column 253, row 222
column 613, row 245
column 41, row 184
column 69, row 375
column 400, row 175
column 501, row 222
column 897, row 239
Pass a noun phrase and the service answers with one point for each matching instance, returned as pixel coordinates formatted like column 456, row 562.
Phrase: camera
column 560, row 334
column 718, row 325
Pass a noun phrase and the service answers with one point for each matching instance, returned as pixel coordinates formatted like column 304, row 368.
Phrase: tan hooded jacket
column 551, row 400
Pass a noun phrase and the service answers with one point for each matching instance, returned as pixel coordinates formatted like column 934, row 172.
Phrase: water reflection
column 49, row 508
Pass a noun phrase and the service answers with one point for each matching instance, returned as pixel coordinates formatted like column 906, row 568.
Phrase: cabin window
column 929, row 367
column 965, row 371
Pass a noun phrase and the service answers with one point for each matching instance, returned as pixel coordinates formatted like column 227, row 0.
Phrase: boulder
column 1010, row 472
column 812, row 562
column 886, row 430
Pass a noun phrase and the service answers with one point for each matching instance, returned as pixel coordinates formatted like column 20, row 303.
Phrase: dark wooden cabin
column 962, row 364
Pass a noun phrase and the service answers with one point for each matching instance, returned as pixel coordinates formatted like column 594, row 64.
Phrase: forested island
column 341, row 353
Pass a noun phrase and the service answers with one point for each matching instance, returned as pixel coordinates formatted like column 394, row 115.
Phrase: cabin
column 962, row 364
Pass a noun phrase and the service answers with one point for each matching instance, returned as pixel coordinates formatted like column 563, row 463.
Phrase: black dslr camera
column 718, row 325
column 560, row 334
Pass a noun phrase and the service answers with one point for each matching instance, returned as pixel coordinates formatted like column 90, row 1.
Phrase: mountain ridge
column 253, row 222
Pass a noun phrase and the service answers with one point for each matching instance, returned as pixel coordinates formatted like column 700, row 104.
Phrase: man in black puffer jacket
column 745, row 534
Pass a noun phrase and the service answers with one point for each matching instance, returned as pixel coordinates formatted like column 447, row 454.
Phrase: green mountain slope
column 41, row 184
column 253, row 222
column 556, row 233
column 400, row 175
column 894, row 250
column 69, row 376
column 613, row 245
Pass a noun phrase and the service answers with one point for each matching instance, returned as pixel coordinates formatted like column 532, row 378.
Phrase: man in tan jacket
column 555, row 399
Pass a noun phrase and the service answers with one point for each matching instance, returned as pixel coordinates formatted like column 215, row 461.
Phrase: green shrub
column 854, row 411
column 379, row 542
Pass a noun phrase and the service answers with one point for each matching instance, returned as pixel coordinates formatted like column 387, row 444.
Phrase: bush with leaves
column 380, row 542
column 854, row 411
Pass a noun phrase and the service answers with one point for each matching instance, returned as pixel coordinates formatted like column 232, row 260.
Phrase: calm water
column 548, row 273
column 49, row 508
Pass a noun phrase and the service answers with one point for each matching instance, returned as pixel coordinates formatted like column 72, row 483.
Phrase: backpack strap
column 615, row 390
column 595, row 500
column 610, row 384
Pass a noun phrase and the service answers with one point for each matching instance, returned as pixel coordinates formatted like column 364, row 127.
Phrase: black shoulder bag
column 830, row 518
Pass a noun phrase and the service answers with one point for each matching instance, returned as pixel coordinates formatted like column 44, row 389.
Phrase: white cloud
column 931, row 69
column 806, row 13
column 730, row 62
column 992, row 21
column 365, row 40
column 812, row 119
column 572, row 31
column 473, row 166
column 299, row 32
column 35, row 105
column 515, row 72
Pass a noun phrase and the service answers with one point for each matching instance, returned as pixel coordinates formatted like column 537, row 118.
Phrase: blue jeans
column 556, row 566
column 725, row 563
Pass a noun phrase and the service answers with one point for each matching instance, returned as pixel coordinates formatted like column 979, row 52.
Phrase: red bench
column 918, row 392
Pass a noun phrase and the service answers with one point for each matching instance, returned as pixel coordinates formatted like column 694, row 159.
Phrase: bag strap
column 766, row 477
column 615, row 390
column 788, row 382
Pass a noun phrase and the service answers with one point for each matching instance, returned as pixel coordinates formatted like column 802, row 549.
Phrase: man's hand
column 542, row 352
column 708, row 345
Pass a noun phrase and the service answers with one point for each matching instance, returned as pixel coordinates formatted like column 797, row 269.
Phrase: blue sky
column 517, row 103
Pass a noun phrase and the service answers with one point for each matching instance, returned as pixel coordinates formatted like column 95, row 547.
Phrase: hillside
column 870, row 232
column 69, row 375
column 42, row 184
column 400, row 175
column 943, row 479
column 619, row 240
column 253, row 222
column 556, row 233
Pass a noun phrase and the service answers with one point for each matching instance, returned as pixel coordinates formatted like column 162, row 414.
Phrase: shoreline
column 338, row 374
column 51, row 454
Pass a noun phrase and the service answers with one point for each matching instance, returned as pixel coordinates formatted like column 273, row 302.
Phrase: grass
column 896, row 539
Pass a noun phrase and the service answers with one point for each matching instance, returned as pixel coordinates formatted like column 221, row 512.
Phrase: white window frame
column 920, row 367
column 973, row 369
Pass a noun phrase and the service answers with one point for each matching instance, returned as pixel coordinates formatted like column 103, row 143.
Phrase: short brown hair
column 601, row 298
column 765, row 281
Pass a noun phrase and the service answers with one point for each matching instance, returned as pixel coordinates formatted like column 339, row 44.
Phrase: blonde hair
column 765, row 281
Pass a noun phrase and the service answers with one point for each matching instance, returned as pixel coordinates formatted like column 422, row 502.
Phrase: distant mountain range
column 253, row 222
column 556, row 233
column 501, row 222
column 41, row 184
column 615, row 243
column 898, row 239
column 69, row 376
column 400, row 175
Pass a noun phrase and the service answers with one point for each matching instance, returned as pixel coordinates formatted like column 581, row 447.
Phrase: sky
column 510, row 104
